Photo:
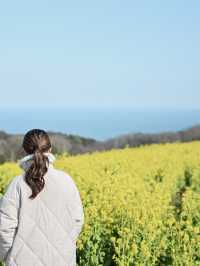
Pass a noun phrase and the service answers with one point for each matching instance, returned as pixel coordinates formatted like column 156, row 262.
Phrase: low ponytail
column 36, row 142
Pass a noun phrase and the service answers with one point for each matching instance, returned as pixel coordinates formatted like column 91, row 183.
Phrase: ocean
column 97, row 123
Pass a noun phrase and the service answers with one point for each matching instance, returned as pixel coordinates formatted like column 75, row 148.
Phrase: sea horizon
column 99, row 123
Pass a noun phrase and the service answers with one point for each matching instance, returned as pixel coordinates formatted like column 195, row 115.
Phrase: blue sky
column 100, row 53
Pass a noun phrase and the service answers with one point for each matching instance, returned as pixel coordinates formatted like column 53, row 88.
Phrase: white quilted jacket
column 42, row 231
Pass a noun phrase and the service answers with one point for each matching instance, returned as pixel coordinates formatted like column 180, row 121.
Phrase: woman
column 41, row 213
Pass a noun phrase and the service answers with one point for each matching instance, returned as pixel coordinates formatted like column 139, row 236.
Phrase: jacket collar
column 26, row 161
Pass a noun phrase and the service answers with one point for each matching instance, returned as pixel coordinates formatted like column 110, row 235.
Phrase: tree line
column 11, row 144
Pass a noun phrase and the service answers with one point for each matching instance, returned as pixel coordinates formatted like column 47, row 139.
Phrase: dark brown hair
column 36, row 141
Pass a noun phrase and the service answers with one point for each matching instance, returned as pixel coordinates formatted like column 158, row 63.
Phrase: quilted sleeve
column 9, row 208
column 78, row 211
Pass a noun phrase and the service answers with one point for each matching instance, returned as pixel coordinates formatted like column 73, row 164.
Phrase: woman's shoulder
column 62, row 174
column 64, row 177
column 14, row 183
column 12, row 191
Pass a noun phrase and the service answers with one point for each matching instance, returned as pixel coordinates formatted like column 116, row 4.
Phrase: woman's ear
column 50, row 150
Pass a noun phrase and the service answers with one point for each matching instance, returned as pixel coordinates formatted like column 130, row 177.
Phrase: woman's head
column 37, row 142
column 36, row 139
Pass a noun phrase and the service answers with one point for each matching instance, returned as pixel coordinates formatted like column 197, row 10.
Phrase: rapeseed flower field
column 141, row 205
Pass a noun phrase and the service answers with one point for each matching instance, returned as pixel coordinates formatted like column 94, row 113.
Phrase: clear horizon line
column 168, row 108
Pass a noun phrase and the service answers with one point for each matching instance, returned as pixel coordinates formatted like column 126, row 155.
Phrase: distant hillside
column 11, row 150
